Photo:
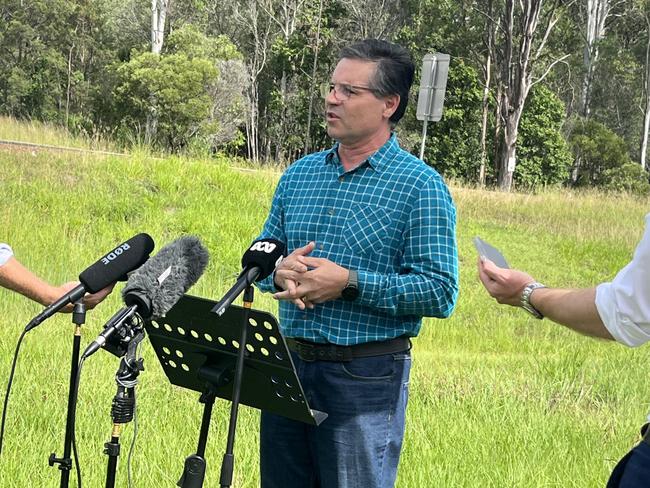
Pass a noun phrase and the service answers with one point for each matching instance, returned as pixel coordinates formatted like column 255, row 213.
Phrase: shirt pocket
column 367, row 228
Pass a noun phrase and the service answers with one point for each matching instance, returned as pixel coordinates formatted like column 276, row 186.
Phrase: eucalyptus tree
column 618, row 88
column 159, row 10
column 522, row 62
column 644, row 10
column 595, row 14
column 52, row 57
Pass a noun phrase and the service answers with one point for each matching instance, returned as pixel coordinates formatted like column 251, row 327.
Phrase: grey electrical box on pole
column 433, row 82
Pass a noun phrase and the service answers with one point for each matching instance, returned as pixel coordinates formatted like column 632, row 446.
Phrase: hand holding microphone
column 96, row 278
column 153, row 289
column 90, row 300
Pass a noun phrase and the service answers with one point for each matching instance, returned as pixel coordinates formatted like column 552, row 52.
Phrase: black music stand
column 198, row 350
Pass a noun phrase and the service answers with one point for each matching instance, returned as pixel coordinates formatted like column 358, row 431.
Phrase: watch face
column 350, row 293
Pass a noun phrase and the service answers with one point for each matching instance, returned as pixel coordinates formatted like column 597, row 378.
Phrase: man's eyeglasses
column 342, row 91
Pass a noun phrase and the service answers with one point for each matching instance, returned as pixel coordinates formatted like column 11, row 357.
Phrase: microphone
column 258, row 262
column 157, row 285
column 111, row 268
column 114, row 324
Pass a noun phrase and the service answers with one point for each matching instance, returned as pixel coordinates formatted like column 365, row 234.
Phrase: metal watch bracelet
column 525, row 299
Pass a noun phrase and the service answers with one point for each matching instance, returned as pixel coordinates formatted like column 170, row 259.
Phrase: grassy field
column 498, row 399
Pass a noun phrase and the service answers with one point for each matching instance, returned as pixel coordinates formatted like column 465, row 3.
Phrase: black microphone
column 258, row 262
column 111, row 268
column 156, row 286
column 115, row 323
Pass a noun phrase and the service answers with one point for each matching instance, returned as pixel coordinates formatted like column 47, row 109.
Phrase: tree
column 379, row 19
column 190, row 94
column 597, row 151
column 52, row 58
column 544, row 155
column 522, row 51
column 595, row 16
column 159, row 10
column 314, row 71
column 489, row 36
column 251, row 19
column 158, row 19
column 645, row 13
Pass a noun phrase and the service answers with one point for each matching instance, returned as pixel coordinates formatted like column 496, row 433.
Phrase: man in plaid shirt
column 371, row 234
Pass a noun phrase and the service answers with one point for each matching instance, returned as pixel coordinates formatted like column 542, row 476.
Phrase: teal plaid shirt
column 392, row 219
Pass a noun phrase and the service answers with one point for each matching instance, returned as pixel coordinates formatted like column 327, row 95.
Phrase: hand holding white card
column 493, row 254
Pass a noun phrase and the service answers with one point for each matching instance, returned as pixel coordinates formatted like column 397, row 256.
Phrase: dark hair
column 394, row 74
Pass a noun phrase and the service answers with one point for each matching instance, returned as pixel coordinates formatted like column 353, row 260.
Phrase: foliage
column 174, row 87
column 290, row 84
column 194, row 89
column 616, row 93
column 52, row 57
column 597, row 151
column 191, row 41
column 630, row 177
column 543, row 154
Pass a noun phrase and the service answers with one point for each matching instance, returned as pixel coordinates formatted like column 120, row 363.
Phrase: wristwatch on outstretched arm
column 525, row 299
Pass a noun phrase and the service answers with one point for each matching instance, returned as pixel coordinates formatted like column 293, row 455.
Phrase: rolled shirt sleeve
column 624, row 303
column 5, row 253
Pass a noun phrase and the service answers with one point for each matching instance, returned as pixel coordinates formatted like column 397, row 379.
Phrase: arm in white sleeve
column 5, row 253
column 624, row 304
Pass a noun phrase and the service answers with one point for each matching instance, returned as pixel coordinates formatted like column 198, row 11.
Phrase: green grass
column 42, row 133
column 497, row 399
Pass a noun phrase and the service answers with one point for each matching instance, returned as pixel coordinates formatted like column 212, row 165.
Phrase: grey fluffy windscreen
column 158, row 284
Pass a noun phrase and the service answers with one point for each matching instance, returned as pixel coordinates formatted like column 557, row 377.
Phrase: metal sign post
column 431, row 99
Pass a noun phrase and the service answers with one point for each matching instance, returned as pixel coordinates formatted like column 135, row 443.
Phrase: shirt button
column 341, row 178
column 320, row 246
column 331, row 211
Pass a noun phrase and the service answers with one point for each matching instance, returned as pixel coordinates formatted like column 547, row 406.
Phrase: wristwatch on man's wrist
column 525, row 299
column 351, row 290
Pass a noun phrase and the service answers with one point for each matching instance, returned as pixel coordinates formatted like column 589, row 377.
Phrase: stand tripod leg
column 112, row 450
column 66, row 462
column 194, row 469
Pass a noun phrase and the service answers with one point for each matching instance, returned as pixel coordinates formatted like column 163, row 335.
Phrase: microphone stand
column 65, row 462
column 228, row 463
column 195, row 465
column 123, row 406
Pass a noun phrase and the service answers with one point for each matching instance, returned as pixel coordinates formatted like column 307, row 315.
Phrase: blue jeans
column 633, row 471
column 359, row 443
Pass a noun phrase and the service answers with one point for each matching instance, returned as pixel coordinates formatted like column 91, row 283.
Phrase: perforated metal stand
column 198, row 350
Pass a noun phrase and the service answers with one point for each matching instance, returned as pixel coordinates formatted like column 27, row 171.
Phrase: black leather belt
column 313, row 351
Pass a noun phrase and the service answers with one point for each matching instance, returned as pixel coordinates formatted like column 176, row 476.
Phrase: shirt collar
column 377, row 161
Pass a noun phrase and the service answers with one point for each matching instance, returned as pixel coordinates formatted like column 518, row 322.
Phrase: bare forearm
column 574, row 308
column 16, row 277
